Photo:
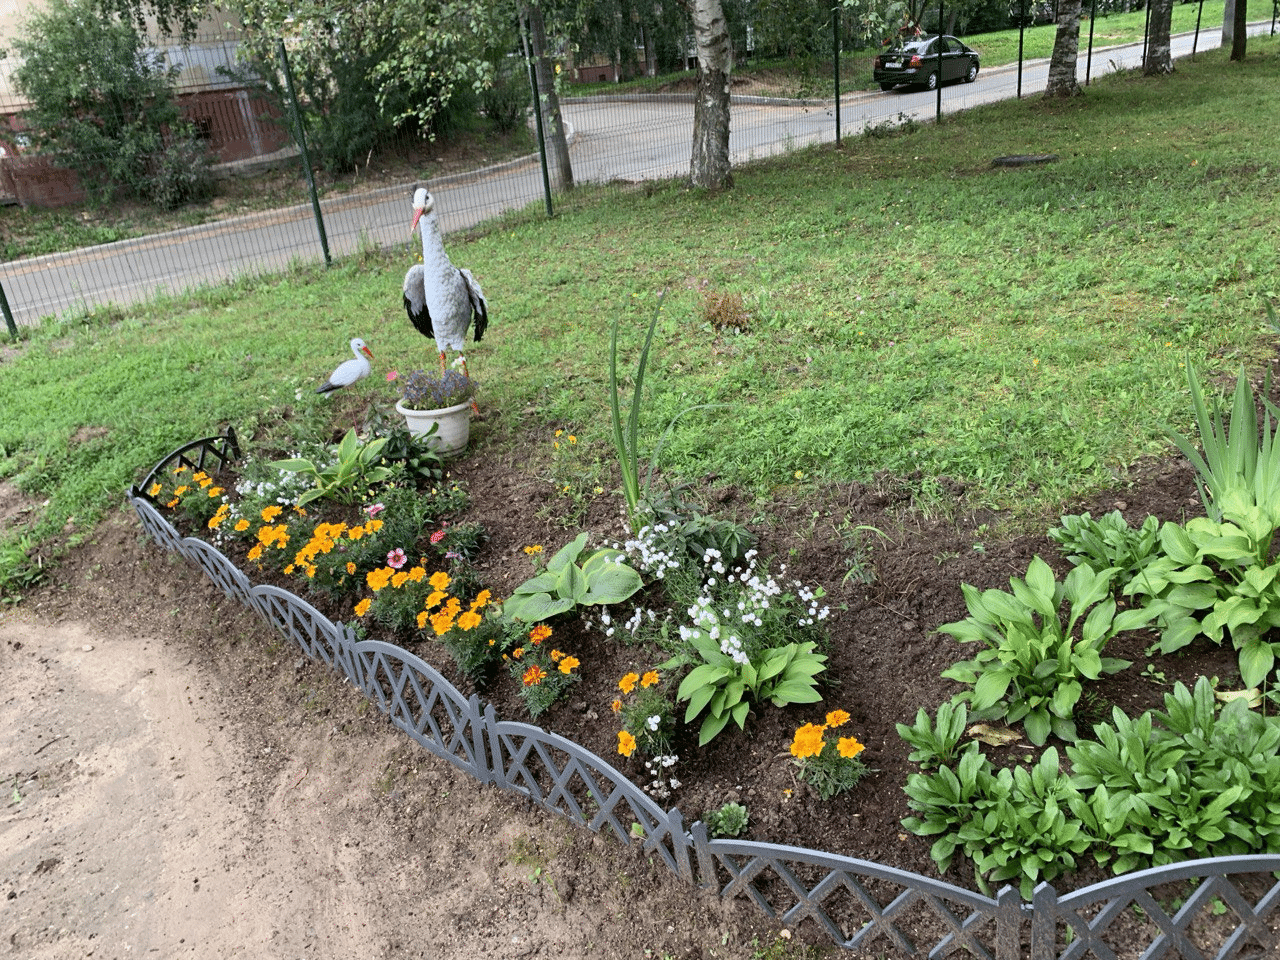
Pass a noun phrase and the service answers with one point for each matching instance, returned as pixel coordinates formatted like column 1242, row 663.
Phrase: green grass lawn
column 907, row 307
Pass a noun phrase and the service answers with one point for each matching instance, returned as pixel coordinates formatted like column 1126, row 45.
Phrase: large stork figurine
column 349, row 371
column 441, row 300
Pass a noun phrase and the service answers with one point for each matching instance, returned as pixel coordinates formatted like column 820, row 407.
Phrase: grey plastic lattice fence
column 1222, row 908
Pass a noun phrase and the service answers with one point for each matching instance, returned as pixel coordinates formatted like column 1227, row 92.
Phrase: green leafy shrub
column 1033, row 665
column 935, row 744
column 729, row 821
column 1213, row 578
column 946, row 800
column 350, row 469
column 181, row 171
column 1108, row 544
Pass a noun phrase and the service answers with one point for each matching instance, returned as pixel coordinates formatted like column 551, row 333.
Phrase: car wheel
column 886, row 86
column 931, row 82
column 972, row 75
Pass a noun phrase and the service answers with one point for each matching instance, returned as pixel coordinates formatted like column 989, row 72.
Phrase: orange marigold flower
column 433, row 599
column 154, row 489
column 626, row 743
column 351, row 567
column 628, row 683
column 422, row 620
column 417, row 574
column 372, row 525
column 808, row 741
column 534, row 549
column 650, row 679
column 534, row 676
column 442, row 623
column 539, row 633
column 256, row 552
column 363, row 607
column 557, row 656
column 469, row 620
column 567, row 665
column 377, row 579
column 355, row 533
column 179, row 491
column 837, row 718
column 439, row 580
column 399, row 579
column 849, row 747
column 270, row 513
column 215, row 492
column 616, row 706
column 242, row 525
column 482, row 599
column 517, row 653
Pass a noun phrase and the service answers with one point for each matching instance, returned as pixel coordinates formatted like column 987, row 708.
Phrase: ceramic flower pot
column 454, row 426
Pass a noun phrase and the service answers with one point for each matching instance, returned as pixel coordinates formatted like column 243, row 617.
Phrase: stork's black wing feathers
column 479, row 305
column 420, row 317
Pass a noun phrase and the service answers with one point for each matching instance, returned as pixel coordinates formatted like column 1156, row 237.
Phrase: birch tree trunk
column 1159, row 49
column 709, row 165
column 559, row 168
column 1066, row 50
column 1228, row 23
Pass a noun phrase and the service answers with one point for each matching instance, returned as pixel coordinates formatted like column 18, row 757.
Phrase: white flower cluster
column 639, row 617
column 648, row 551
column 663, row 782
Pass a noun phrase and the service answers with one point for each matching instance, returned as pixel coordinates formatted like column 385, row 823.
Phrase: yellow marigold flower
column 453, row 607
column 355, row 533
column 572, row 438
column 534, row 676
column 837, row 718
column 351, row 567
column 363, row 607
column 482, row 599
column 417, row 574
column 216, row 520
column 628, row 683
column 270, row 513
column 373, row 526
column 154, row 489
column 181, row 468
column 310, row 570
column 626, row 743
column 215, row 492
column 289, row 569
column 399, row 579
column 199, row 477
column 377, row 579
column 179, row 491
column 256, row 552
column 808, row 741
column 849, row 747
column 517, row 653
column 557, row 656
column 650, row 679
column 567, row 665
column 172, row 503
column 440, row 580
column 469, row 620
column 422, row 620
column 442, row 623
column 616, row 706
column 242, row 525
column 534, row 549
column 539, row 633
column 433, row 599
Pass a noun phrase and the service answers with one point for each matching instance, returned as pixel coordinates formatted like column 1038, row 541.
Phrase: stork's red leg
column 442, row 361
column 474, row 408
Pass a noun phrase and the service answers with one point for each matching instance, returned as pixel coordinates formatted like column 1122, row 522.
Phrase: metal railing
column 1223, row 907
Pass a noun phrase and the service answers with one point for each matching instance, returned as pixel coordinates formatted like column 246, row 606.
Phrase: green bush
column 100, row 99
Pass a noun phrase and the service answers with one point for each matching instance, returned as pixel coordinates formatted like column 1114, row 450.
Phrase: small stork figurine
column 349, row 371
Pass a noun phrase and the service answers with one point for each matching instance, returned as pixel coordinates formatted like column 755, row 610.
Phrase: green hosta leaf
column 1177, row 546
column 712, row 724
column 568, row 554
column 536, row 607
column 991, row 688
column 1037, row 727
column 610, row 583
column 794, row 691
column 1257, row 658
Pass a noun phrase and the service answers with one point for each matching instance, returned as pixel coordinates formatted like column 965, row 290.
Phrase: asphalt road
column 614, row 139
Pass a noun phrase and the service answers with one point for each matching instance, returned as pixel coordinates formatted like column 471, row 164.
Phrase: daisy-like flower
column 396, row 559
column 650, row 679
column 626, row 743
column 837, row 718
column 567, row 665
column 628, row 683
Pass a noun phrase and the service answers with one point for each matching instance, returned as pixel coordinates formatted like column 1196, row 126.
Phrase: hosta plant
column 1213, row 579
column 1034, row 663
column 350, row 468
column 1108, row 543
column 935, row 744
column 604, row 577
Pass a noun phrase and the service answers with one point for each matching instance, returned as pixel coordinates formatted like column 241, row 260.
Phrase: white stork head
column 358, row 347
column 422, row 204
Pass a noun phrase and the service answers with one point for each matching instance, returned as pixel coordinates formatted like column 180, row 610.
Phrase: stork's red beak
column 417, row 215
column 366, row 352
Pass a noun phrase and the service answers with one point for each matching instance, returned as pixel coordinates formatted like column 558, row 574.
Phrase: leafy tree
column 101, row 103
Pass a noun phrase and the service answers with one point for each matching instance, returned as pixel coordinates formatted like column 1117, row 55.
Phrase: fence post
column 706, row 878
column 1008, row 914
column 537, row 116
column 1044, row 922
column 302, row 146
column 835, row 47
column 8, row 315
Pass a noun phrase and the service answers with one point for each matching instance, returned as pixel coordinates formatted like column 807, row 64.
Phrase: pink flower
column 396, row 559
column 437, row 536
column 374, row 509
column 391, row 375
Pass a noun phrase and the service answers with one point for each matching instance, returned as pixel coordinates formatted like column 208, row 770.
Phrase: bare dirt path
column 179, row 783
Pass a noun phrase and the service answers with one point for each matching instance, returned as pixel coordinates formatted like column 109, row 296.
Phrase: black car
column 916, row 62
